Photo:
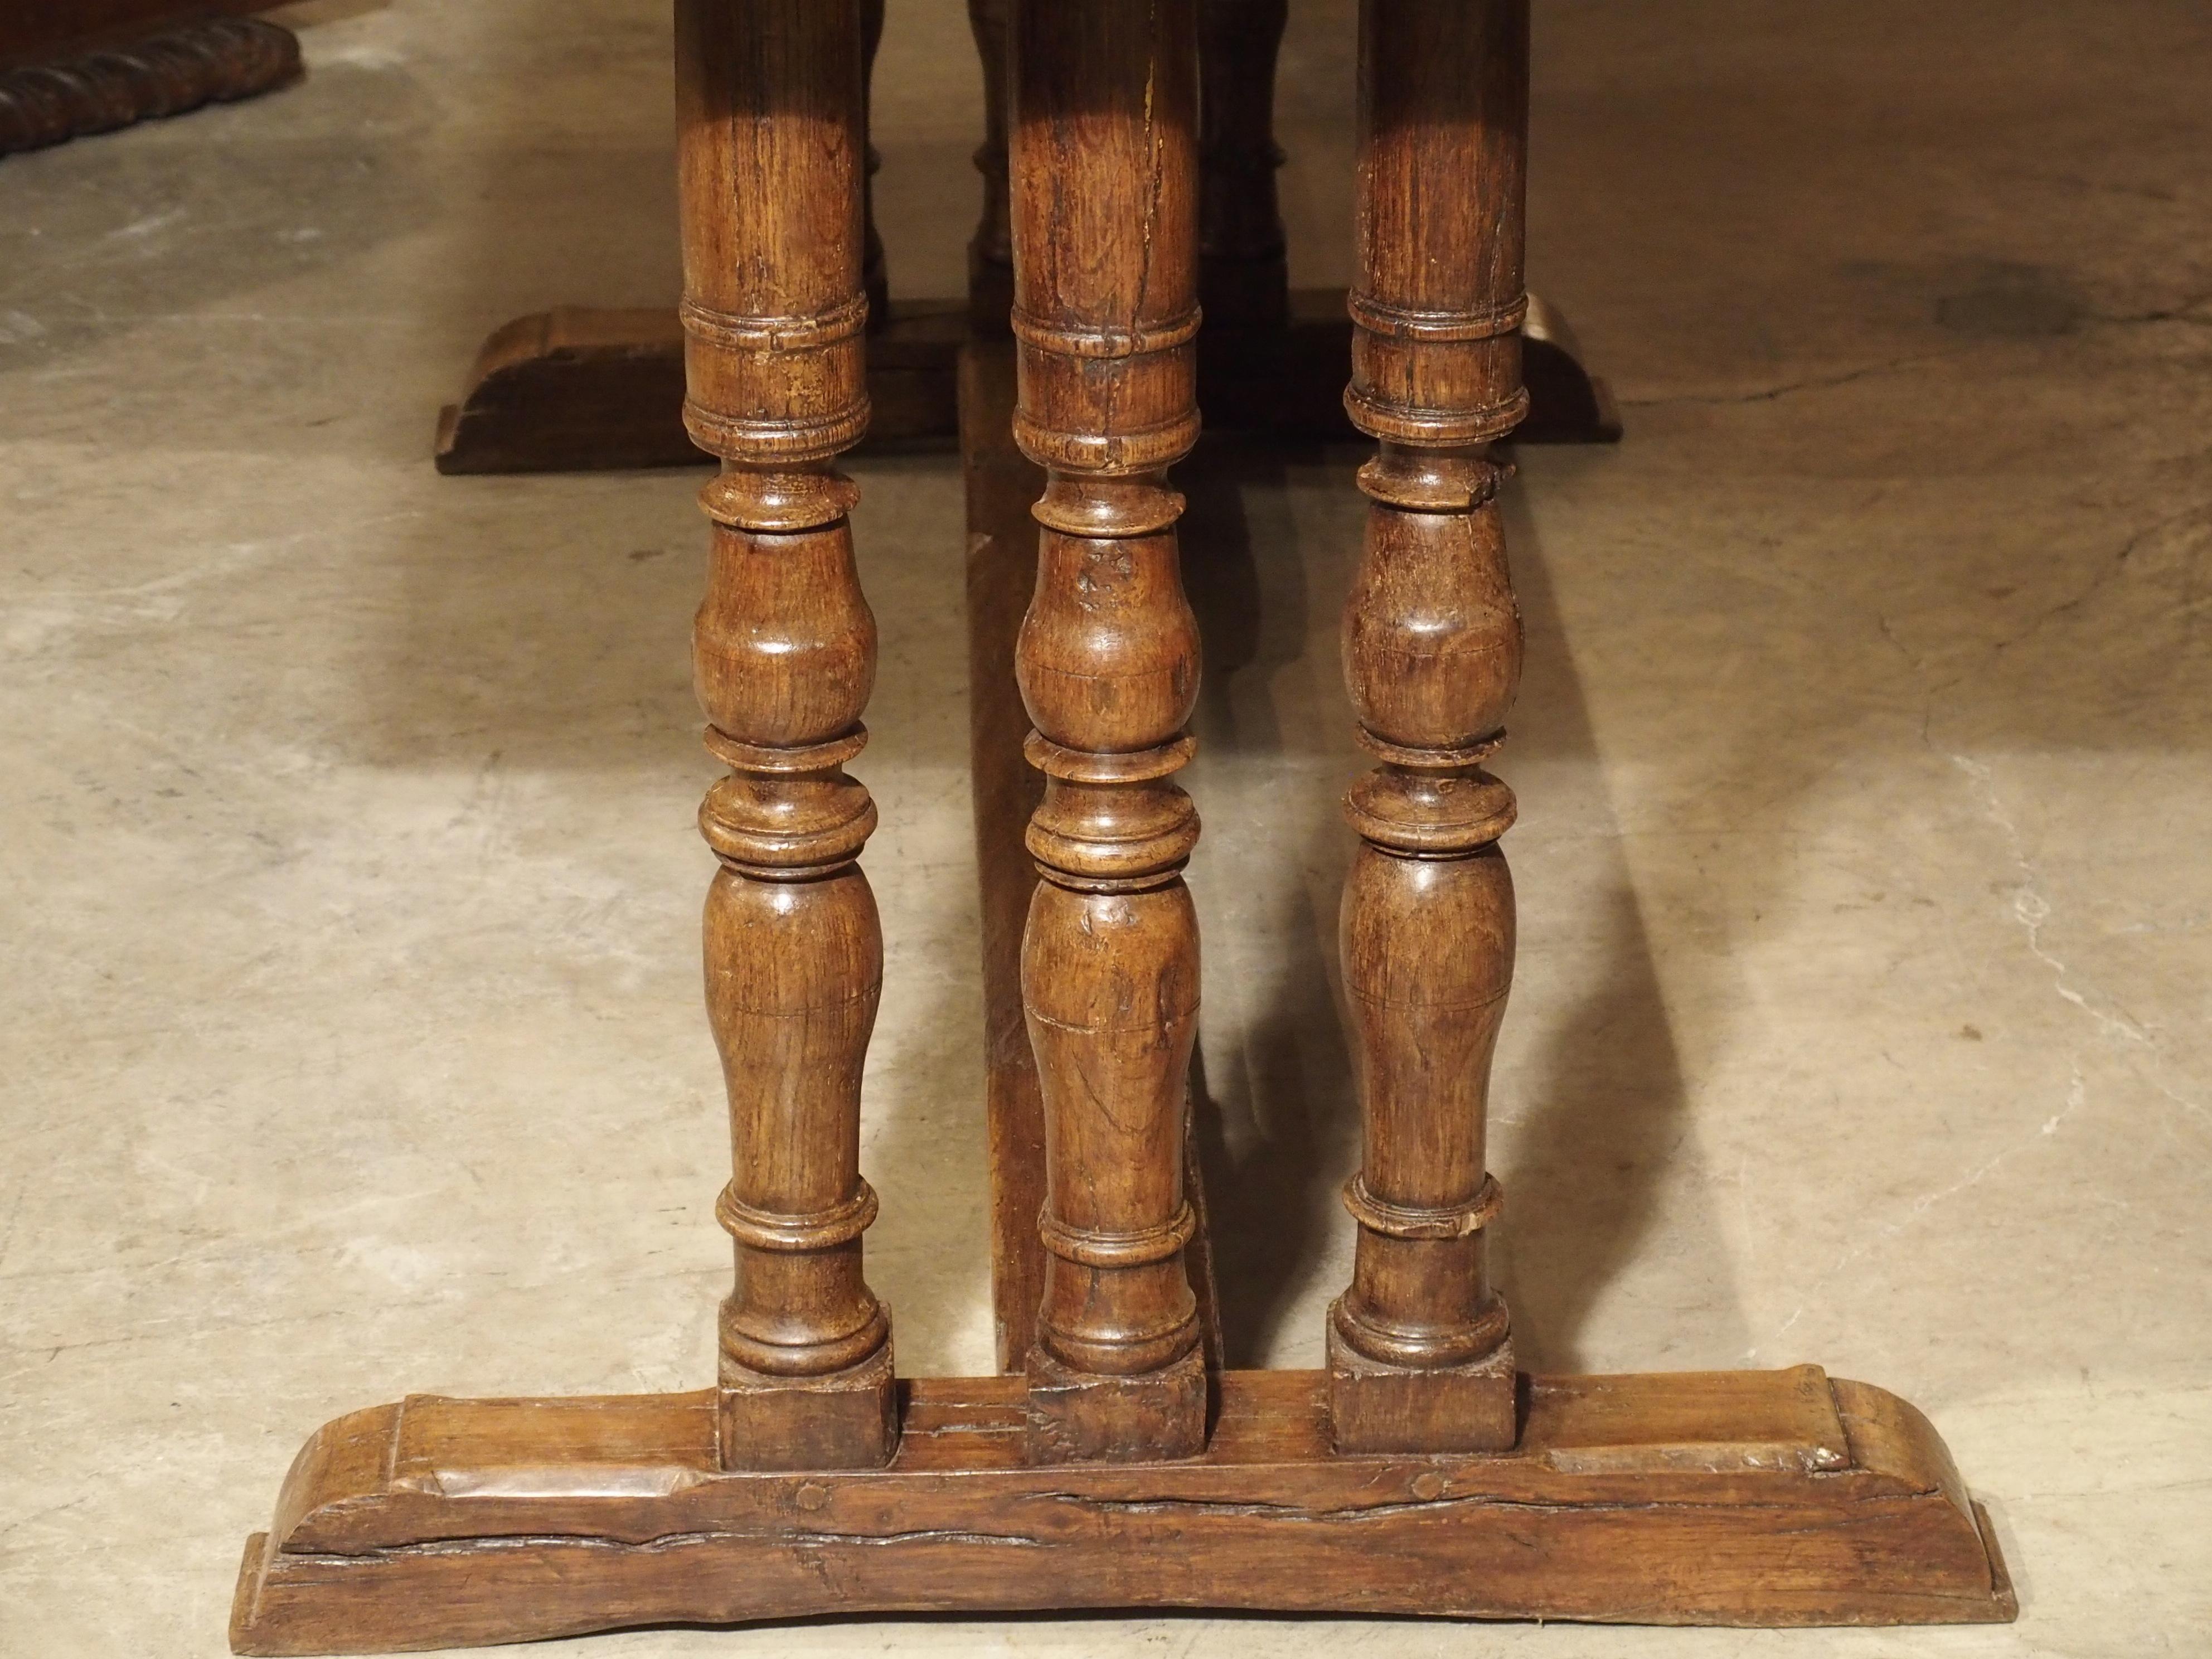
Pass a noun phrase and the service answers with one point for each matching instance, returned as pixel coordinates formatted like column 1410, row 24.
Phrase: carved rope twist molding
column 171, row 73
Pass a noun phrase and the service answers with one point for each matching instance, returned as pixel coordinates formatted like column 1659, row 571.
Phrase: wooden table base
column 1754, row 1498
column 1750, row 1497
column 1115, row 1465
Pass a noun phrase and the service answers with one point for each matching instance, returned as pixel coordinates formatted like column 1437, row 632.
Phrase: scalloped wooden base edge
column 1746, row 1497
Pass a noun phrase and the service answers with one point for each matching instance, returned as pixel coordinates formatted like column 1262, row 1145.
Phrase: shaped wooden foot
column 1753, row 1498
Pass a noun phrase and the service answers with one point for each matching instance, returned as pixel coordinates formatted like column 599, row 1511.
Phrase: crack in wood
column 664, row 1543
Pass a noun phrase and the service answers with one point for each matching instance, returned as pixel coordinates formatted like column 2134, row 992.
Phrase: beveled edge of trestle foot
column 1747, row 1498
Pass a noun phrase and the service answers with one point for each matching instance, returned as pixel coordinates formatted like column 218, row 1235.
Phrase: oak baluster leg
column 1419, row 1353
column 1105, row 211
column 1243, row 280
column 771, row 159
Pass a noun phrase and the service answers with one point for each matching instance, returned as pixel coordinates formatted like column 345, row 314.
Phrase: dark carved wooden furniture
column 95, row 66
column 1115, row 1463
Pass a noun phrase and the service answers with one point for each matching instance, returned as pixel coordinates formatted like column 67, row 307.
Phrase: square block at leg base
column 1085, row 1417
column 1374, row 1407
column 846, row 1420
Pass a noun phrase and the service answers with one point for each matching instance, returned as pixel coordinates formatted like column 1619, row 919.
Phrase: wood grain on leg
column 1002, row 483
column 1105, row 209
column 1419, row 1353
column 771, row 161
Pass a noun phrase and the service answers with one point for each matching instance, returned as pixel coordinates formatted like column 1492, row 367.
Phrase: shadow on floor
column 1592, row 1132
column 1275, row 1119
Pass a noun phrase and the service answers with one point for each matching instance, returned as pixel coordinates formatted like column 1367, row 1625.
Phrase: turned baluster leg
column 1419, row 1348
column 771, row 164
column 1243, row 280
column 1105, row 211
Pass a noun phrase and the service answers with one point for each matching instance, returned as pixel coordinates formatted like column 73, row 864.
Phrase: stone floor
column 352, row 1042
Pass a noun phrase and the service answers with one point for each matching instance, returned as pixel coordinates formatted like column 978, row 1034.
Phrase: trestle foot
column 1750, row 1497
